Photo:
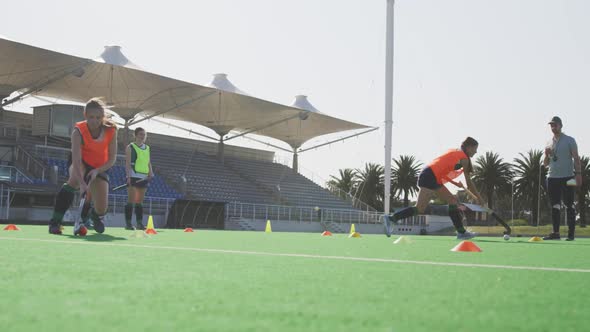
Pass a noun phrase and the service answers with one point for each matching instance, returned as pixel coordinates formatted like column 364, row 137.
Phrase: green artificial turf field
column 254, row 281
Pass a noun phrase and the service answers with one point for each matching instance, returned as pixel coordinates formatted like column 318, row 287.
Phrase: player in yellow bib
column 139, row 172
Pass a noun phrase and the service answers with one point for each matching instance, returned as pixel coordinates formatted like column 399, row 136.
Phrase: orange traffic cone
column 327, row 233
column 466, row 246
column 188, row 230
column 11, row 227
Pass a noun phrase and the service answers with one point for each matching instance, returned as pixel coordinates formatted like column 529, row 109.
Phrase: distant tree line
column 502, row 184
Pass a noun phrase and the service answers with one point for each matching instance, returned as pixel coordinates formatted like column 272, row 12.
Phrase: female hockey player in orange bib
column 431, row 181
column 94, row 151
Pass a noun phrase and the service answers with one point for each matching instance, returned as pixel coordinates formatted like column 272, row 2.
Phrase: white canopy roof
column 297, row 131
column 130, row 91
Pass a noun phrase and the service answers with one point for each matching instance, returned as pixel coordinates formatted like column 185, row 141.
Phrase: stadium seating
column 295, row 188
column 243, row 180
column 238, row 180
column 157, row 187
column 207, row 179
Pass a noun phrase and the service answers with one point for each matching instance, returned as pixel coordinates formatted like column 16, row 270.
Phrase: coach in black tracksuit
column 564, row 165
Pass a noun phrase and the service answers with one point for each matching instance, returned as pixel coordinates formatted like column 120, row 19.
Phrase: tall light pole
column 388, row 102
column 512, row 203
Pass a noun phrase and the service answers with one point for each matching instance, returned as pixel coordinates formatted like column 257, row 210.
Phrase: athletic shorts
column 427, row 179
column 137, row 183
column 103, row 176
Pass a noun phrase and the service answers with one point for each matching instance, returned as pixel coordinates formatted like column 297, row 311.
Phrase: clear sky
column 495, row 70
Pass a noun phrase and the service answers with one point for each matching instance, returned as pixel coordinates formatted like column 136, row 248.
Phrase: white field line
column 347, row 258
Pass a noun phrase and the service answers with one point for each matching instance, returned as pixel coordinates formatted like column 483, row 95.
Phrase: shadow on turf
column 515, row 239
column 524, row 241
column 95, row 237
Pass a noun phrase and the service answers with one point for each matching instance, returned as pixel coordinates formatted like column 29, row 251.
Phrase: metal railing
column 13, row 174
column 299, row 214
column 151, row 205
column 4, row 201
column 29, row 162
column 53, row 152
column 323, row 183
column 419, row 220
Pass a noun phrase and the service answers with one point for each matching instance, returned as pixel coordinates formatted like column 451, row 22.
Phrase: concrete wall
column 433, row 224
column 277, row 226
column 44, row 214
column 306, row 227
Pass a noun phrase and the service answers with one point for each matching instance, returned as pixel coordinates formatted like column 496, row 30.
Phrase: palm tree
column 492, row 175
column 584, row 189
column 345, row 183
column 370, row 185
column 527, row 169
column 404, row 177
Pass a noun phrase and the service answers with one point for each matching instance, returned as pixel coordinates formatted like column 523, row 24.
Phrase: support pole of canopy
column 297, row 152
column 126, row 128
column 298, row 115
column 220, row 148
column 188, row 102
column 190, row 131
column 269, row 144
column 76, row 71
column 339, row 139
column 388, row 102
column 295, row 161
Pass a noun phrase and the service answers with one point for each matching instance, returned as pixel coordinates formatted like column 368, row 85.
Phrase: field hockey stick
column 489, row 211
column 502, row 222
column 82, row 201
column 486, row 209
column 124, row 185
column 83, row 196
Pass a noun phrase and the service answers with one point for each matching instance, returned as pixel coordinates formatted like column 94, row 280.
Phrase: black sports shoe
column 54, row 228
column 99, row 225
column 140, row 226
column 552, row 236
column 129, row 227
column 570, row 234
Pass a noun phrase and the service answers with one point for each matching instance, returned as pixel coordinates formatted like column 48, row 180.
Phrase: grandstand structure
column 249, row 183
